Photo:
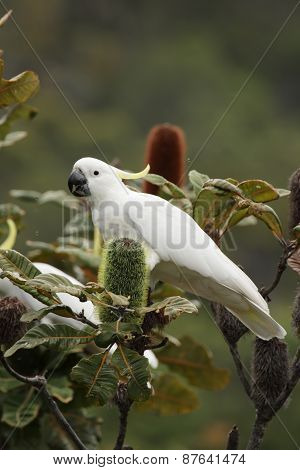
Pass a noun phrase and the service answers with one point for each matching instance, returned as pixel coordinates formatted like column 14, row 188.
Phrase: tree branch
column 40, row 383
column 288, row 250
column 124, row 410
column 240, row 368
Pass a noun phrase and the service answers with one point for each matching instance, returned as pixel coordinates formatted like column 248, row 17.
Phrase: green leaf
column 258, row 190
column 213, row 207
column 18, row 89
column 25, row 195
column 60, row 388
column 10, row 211
column 197, row 180
column 166, row 186
column 19, row 408
column 171, row 307
column 171, row 397
column 14, row 262
column 97, row 376
column 60, row 197
column 283, row 192
column 61, row 337
column 135, row 369
column 224, row 185
column 194, row 362
column 11, row 138
column 5, row 17
column 269, row 217
column 11, row 237
column 7, row 382
column 61, row 310
column 21, row 111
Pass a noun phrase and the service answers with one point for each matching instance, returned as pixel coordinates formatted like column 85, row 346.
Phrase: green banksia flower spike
column 270, row 370
column 294, row 186
column 296, row 313
column 11, row 328
column 165, row 153
column 230, row 326
column 123, row 271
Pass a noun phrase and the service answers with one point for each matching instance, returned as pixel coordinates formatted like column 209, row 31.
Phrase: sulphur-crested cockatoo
column 179, row 251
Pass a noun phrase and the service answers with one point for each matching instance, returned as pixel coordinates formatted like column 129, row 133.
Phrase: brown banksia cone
column 165, row 153
column 294, row 187
column 270, row 370
column 296, row 314
column 232, row 328
column 11, row 328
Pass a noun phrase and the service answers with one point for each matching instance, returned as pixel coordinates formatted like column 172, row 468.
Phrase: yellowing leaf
column 258, row 190
column 194, row 362
column 11, row 237
column 18, row 89
column 171, row 396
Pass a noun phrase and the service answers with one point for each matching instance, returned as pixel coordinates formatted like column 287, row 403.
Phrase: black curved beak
column 78, row 184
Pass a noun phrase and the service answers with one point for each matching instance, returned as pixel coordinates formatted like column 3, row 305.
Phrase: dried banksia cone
column 230, row 326
column 270, row 370
column 165, row 153
column 296, row 314
column 123, row 271
column 11, row 328
column 294, row 187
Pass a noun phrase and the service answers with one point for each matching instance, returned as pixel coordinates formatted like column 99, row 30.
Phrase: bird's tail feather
column 260, row 322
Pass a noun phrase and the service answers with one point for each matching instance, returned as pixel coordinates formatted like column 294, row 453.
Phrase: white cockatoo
column 178, row 250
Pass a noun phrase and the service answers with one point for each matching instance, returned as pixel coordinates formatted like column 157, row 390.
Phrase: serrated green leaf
column 224, row 185
column 135, row 369
column 19, row 408
column 14, row 262
column 61, row 337
column 98, row 377
column 171, row 397
column 171, row 307
column 194, row 362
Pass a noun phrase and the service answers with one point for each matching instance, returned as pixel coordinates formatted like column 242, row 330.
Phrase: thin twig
column 240, row 368
column 80, row 317
column 40, row 383
column 288, row 250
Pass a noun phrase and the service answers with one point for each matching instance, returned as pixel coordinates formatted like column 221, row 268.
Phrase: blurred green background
column 110, row 71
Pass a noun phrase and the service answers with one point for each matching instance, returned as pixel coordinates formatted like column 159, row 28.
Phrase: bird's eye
column 96, row 173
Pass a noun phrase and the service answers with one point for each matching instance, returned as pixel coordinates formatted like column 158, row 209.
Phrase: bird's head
column 92, row 177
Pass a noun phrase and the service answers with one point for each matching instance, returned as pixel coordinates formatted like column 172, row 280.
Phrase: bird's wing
column 191, row 260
